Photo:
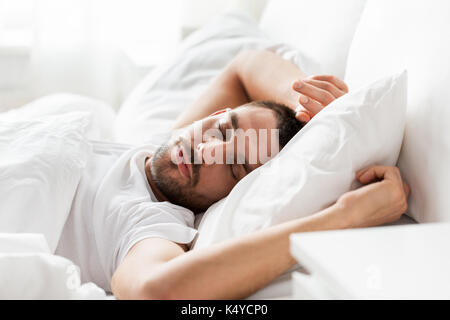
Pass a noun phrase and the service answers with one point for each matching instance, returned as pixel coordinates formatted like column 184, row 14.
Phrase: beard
column 162, row 170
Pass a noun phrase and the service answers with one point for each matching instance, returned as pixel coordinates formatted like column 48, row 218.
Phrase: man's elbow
column 247, row 61
column 148, row 289
column 244, row 57
column 153, row 289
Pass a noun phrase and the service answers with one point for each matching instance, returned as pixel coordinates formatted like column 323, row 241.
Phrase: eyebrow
column 235, row 124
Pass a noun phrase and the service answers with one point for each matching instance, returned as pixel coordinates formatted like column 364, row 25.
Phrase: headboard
column 413, row 35
column 321, row 29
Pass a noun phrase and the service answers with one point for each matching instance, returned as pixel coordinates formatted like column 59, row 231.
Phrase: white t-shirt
column 113, row 209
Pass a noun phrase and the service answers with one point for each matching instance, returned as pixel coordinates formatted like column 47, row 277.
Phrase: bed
column 342, row 46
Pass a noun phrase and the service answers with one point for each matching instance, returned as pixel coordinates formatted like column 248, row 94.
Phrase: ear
column 220, row 111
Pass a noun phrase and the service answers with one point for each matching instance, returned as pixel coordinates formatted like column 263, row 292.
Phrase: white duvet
column 41, row 160
column 29, row 270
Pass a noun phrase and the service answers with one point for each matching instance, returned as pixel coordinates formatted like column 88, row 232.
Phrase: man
column 132, row 216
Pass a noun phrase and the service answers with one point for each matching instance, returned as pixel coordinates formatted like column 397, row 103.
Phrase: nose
column 212, row 151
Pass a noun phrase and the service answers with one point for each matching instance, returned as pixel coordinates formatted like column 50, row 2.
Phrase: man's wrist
column 291, row 97
column 338, row 216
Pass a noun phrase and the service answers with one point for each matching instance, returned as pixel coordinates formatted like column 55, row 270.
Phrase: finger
column 312, row 106
column 327, row 86
column 320, row 95
column 379, row 173
column 303, row 116
column 361, row 172
column 334, row 80
column 407, row 189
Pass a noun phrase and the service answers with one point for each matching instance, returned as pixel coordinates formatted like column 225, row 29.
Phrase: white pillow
column 321, row 29
column 154, row 105
column 318, row 165
column 101, row 124
column 40, row 168
column 411, row 34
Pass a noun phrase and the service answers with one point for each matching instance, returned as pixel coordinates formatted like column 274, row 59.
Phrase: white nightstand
column 395, row 262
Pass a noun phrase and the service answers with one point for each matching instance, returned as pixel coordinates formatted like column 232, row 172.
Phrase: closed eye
column 223, row 130
column 233, row 174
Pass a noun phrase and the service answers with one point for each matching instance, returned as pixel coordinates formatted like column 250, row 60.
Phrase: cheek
column 215, row 182
column 168, row 170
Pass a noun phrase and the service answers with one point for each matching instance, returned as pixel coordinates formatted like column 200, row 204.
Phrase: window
column 16, row 24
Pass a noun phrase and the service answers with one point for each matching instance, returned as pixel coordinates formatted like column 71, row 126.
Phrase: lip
column 183, row 167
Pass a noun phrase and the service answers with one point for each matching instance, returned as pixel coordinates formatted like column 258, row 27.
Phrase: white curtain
column 80, row 46
column 98, row 48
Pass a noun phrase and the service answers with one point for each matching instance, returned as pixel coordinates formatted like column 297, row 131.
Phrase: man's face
column 204, row 161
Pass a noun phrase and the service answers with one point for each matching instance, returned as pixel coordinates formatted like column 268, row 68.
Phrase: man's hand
column 383, row 199
column 317, row 92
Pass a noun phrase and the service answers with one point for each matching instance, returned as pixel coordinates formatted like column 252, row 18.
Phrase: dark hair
column 286, row 121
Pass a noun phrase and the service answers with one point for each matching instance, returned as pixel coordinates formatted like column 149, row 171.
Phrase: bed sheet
column 28, row 270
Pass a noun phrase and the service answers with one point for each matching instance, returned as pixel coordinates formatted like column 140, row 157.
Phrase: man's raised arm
column 263, row 75
column 250, row 76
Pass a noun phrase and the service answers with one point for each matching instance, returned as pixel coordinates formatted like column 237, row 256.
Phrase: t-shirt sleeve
column 148, row 220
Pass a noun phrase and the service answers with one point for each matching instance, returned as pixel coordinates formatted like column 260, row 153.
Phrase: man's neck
column 158, row 194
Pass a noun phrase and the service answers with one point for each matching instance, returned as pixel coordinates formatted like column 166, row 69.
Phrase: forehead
column 255, row 118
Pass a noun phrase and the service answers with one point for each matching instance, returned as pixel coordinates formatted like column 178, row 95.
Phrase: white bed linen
column 41, row 162
column 99, row 126
column 29, row 270
column 28, row 267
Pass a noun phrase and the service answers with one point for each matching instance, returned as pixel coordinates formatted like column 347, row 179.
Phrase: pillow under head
column 318, row 165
